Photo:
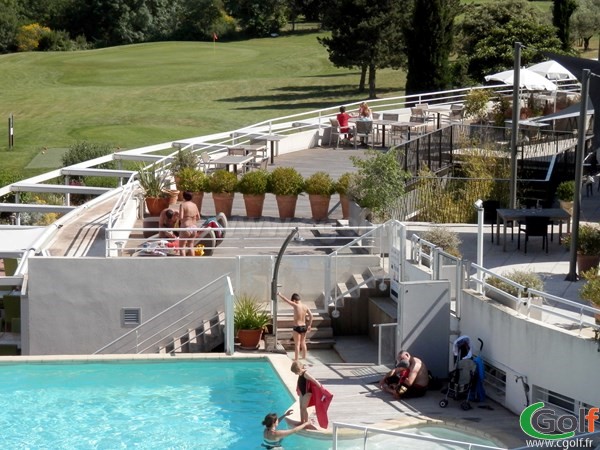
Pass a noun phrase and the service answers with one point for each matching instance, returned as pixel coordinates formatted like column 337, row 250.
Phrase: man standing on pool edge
column 302, row 323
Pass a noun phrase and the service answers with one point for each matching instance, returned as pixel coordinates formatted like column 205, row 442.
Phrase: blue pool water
column 208, row 404
column 151, row 405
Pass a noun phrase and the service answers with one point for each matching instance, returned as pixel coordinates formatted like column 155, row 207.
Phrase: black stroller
column 466, row 380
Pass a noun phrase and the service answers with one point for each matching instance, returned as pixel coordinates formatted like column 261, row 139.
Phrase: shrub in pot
column 249, row 320
column 183, row 159
column 286, row 183
column 319, row 187
column 253, row 185
column 565, row 192
column 588, row 247
column 590, row 291
column 341, row 187
column 194, row 181
column 223, row 184
column 445, row 238
column 525, row 278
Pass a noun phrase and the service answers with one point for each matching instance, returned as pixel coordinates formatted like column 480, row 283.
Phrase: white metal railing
column 568, row 311
column 400, row 434
column 190, row 311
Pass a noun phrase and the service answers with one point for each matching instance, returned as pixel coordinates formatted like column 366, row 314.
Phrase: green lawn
column 145, row 94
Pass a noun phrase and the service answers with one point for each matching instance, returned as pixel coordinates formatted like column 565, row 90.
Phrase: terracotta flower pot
column 254, row 205
column 286, row 204
column 223, row 203
column 249, row 339
column 156, row 204
column 345, row 206
column 587, row 262
column 173, row 197
column 319, row 206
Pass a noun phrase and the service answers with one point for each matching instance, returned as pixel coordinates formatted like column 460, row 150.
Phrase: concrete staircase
column 202, row 339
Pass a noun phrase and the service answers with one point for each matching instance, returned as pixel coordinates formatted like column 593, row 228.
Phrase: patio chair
column 534, row 226
column 364, row 129
column 236, row 151
column 456, row 114
column 206, row 162
column 334, row 132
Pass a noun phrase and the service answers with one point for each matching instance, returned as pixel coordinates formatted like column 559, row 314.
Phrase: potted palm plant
column 154, row 183
column 341, row 187
column 253, row 185
column 222, row 184
column 287, row 184
column 588, row 247
column 319, row 187
column 249, row 321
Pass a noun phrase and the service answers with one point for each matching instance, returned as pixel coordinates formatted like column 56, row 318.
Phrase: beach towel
column 320, row 399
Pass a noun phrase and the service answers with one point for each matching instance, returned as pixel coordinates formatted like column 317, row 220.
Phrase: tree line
column 439, row 43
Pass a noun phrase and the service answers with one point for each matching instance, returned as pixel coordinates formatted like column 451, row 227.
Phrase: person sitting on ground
column 272, row 436
column 418, row 377
column 168, row 219
column 392, row 382
column 343, row 117
column 189, row 214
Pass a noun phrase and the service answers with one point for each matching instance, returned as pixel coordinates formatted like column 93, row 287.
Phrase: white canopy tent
column 529, row 80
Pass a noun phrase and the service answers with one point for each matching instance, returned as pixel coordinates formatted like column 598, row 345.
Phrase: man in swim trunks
column 303, row 318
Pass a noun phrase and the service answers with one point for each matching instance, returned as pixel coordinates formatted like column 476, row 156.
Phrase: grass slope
column 144, row 94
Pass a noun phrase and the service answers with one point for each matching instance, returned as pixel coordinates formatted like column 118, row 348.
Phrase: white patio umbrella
column 528, row 80
column 552, row 70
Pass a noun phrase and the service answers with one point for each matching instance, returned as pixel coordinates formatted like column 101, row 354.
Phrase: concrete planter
column 509, row 301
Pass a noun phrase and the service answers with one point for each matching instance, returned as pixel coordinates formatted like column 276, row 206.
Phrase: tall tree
column 429, row 35
column 368, row 38
column 489, row 31
column 561, row 17
column 585, row 22
column 258, row 17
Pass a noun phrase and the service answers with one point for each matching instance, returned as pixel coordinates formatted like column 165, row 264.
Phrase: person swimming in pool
column 272, row 437
column 303, row 318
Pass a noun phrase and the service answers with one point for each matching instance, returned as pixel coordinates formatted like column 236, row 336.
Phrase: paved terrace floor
column 351, row 371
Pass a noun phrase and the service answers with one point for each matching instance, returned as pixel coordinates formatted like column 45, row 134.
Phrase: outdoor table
column 383, row 123
column 507, row 215
column 274, row 140
column 234, row 160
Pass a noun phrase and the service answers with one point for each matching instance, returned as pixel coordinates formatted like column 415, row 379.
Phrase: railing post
column 229, row 332
column 327, row 281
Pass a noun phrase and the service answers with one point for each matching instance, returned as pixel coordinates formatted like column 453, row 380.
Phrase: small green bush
column 319, row 183
column 526, row 278
column 255, row 182
column 184, row 159
column 588, row 242
column 192, row 180
column 565, row 191
column 286, row 181
column 222, row 181
column 590, row 291
column 445, row 238
column 343, row 183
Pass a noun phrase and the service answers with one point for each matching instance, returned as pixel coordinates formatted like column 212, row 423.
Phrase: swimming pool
column 208, row 404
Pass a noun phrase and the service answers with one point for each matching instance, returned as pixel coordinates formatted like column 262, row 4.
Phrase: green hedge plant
column 286, row 181
column 319, row 183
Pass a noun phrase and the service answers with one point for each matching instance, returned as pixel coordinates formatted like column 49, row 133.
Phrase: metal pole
column 274, row 280
column 516, row 113
column 479, row 206
column 585, row 87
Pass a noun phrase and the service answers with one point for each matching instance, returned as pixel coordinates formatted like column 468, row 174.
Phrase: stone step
column 314, row 333
column 317, row 344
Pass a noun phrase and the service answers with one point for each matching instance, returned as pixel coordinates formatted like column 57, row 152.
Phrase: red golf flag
column 215, row 37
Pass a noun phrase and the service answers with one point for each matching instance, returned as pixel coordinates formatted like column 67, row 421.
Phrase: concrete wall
column 543, row 353
column 74, row 304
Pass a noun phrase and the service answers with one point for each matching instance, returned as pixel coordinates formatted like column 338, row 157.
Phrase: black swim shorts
column 300, row 329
